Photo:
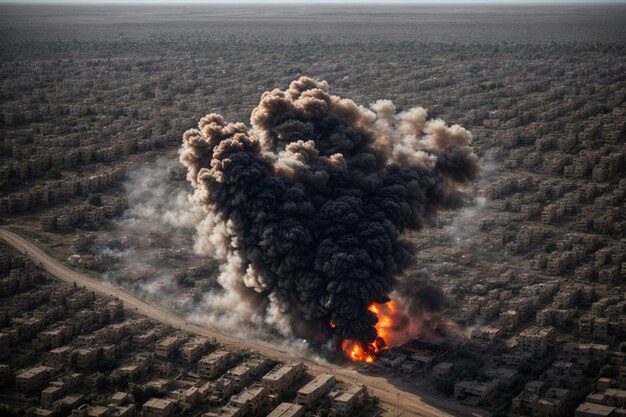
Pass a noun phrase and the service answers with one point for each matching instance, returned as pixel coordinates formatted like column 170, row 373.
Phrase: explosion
column 385, row 325
column 307, row 211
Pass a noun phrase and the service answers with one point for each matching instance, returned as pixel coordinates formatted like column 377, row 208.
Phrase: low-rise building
column 345, row 402
column 167, row 346
column 241, row 375
column 443, row 370
column 159, row 407
column 595, row 410
column 287, row 410
column 221, row 389
column 251, row 401
column 475, row 391
column 315, row 390
column 537, row 340
column 211, row 366
column 32, row 379
column 192, row 350
column 282, row 377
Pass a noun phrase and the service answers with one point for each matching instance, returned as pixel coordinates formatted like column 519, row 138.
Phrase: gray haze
column 313, row 2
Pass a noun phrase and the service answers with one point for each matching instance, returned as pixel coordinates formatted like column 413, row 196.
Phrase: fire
column 359, row 353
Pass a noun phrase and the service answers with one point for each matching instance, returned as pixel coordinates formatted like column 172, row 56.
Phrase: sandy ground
column 393, row 399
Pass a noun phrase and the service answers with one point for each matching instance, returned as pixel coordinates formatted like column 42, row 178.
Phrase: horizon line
column 314, row 2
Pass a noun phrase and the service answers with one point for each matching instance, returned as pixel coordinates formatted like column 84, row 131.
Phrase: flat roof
column 597, row 409
column 286, row 410
column 218, row 354
column 239, row 370
column 344, row 397
column 278, row 372
column 61, row 349
column 120, row 395
column 355, row 388
column 444, row 365
column 316, row 383
column 477, row 385
column 248, row 395
column 159, row 403
column 168, row 340
column 33, row 371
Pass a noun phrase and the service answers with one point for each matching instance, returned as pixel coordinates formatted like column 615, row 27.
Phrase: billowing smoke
column 307, row 208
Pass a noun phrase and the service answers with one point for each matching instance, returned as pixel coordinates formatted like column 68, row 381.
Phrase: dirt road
column 395, row 401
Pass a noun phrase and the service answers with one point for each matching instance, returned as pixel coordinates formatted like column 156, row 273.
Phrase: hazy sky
column 417, row 2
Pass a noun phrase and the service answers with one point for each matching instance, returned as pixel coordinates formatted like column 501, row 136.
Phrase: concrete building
column 315, row 390
column 192, row 350
column 221, row 389
column 159, row 407
column 32, row 379
column 59, row 356
column 443, row 370
column 252, row 400
column 564, row 375
column 211, row 366
column 287, row 410
column 537, row 340
column 554, row 402
column 241, row 375
column 504, row 377
column 485, row 334
column 167, row 346
column 345, row 402
column 282, row 377
column 475, row 391
column 596, row 410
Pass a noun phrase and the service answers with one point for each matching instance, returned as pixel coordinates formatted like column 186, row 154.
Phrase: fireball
column 359, row 353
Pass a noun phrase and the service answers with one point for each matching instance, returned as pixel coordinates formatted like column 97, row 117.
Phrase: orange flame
column 359, row 353
column 331, row 324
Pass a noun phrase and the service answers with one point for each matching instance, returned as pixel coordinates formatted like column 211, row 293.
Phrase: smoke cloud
column 307, row 208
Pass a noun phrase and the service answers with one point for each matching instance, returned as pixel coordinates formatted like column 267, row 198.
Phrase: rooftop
column 29, row 373
column 596, row 409
column 248, row 395
column 159, row 403
column 286, row 410
column 219, row 354
column 319, row 381
column 278, row 372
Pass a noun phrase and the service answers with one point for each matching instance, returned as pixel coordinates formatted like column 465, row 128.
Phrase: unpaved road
column 394, row 401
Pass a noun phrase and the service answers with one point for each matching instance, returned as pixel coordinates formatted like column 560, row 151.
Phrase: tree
column 99, row 380
column 550, row 247
column 96, row 399
column 241, row 355
column 142, row 393
column 118, row 379
column 184, row 410
column 94, row 200
column 54, row 173
column 609, row 371
column 185, row 280
column 138, row 393
column 62, row 409
column 152, row 391
column 105, row 365
column 8, row 411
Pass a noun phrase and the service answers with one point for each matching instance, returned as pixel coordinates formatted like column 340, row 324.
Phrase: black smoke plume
column 308, row 207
